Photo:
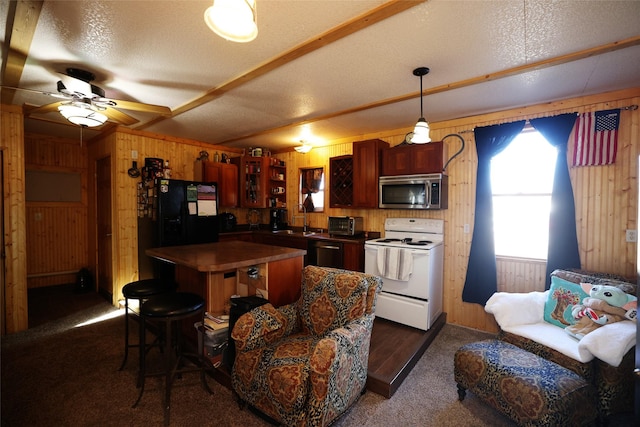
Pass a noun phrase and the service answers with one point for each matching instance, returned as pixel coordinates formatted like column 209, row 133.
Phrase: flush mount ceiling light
column 234, row 20
column 421, row 131
column 304, row 148
column 82, row 114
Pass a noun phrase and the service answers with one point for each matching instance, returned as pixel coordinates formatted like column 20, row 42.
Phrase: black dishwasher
column 326, row 254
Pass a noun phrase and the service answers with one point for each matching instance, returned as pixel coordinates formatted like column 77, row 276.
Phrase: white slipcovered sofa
column 604, row 357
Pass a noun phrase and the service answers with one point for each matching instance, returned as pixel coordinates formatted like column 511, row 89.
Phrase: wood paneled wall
column 606, row 198
column 14, row 316
column 120, row 144
column 57, row 232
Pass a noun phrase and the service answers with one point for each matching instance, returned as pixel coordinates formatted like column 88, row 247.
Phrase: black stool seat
column 148, row 287
column 172, row 305
column 169, row 309
column 141, row 290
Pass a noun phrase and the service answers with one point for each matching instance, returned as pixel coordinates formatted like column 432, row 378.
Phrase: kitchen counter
column 223, row 256
column 216, row 271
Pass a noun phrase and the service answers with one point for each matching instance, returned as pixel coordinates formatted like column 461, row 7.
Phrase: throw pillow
column 563, row 295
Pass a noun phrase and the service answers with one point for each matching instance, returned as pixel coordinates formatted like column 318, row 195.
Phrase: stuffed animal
column 604, row 305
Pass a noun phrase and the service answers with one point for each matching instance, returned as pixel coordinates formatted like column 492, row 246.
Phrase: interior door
column 103, row 207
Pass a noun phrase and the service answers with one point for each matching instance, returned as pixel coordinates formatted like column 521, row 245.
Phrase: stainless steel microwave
column 414, row 191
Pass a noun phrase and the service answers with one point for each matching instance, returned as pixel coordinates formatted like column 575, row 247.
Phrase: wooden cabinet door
column 413, row 159
column 341, row 181
column 253, row 182
column 226, row 175
column 353, row 256
column 366, row 170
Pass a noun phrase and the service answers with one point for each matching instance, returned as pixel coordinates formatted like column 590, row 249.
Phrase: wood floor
column 395, row 349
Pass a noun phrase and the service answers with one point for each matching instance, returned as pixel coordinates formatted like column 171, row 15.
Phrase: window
column 522, row 181
column 311, row 194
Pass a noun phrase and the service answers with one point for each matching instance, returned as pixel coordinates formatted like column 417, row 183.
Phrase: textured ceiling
column 319, row 70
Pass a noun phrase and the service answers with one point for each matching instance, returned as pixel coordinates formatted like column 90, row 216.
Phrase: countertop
column 297, row 233
column 223, row 256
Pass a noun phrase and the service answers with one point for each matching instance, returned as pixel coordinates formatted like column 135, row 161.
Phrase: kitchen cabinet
column 225, row 174
column 341, row 181
column 253, row 183
column 367, row 159
column 353, row 256
column 413, row 159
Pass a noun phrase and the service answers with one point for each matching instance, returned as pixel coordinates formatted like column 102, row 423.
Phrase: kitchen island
column 216, row 271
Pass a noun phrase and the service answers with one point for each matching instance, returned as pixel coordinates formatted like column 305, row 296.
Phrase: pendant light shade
column 421, row 130
column 234, row 20
column 82, row 115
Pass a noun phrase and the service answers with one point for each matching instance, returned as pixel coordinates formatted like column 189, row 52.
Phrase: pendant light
column 421, row 130
column 234, row 20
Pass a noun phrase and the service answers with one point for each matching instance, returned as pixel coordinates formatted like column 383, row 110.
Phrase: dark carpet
column 62, row 374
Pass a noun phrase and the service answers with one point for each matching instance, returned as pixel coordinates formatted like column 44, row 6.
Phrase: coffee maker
column 278, row 219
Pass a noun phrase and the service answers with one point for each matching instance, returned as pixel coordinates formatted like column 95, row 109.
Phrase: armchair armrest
column 339, row 362
column 512, row 309
column 263, row 325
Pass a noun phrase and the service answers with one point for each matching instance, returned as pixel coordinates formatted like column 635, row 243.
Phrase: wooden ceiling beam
column 550, row 62
column 380, row 13
column 22, row 21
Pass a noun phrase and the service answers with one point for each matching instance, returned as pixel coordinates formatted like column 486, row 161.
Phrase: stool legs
column 126, row 333
column 171, row 365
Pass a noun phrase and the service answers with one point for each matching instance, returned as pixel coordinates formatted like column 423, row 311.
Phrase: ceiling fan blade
column 48, row 108
column 139, row 106
column 119, row 117
column 41, row 92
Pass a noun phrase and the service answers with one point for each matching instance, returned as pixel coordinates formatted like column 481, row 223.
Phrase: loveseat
column 535, row 322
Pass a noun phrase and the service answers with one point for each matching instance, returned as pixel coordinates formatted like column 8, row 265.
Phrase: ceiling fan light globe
column 421, row 132
column 304, row 148
column 234, row 20
column 82, row 116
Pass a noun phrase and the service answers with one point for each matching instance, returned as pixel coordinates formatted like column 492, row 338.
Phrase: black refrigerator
column 180, row 213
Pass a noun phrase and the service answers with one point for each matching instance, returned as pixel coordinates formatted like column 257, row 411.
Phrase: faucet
column 304, row 218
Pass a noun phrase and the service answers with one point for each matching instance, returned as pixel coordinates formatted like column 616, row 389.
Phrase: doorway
column 104, row 269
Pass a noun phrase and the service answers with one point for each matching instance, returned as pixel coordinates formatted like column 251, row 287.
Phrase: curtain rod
column 631, row 107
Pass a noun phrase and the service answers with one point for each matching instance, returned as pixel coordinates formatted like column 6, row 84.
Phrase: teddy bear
column 604, row 305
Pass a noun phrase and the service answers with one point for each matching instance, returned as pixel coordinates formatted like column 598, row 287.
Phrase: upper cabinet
column 367, row 156
column 341, row 181
column 254, row 181
column 262, row 183
column 226, row 175
column 413, row 159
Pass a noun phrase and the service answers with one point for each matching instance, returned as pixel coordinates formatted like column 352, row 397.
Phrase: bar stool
column 170, row 309
column 141, row 290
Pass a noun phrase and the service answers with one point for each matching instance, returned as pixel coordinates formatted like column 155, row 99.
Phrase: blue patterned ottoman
column 528, row 389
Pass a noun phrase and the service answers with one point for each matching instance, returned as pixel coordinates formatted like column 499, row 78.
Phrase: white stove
column 411, row 233
column 409, row 259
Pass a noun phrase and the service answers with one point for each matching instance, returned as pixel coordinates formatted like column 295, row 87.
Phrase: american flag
column 595, row 138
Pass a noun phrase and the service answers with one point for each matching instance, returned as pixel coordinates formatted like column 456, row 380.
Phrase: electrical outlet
column 632, row 236
column 466, row 229
column 134, row 154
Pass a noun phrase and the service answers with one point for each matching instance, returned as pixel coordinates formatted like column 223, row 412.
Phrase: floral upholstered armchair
column 305, row 363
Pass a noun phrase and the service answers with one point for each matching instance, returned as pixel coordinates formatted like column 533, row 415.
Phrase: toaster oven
column 345, row 225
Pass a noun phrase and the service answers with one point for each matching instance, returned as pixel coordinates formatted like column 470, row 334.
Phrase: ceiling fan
column 85, row 104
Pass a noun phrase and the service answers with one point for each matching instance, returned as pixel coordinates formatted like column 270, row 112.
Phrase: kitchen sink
column 296, row 233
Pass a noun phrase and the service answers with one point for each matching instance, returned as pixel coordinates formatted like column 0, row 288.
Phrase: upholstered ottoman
column 528, row 389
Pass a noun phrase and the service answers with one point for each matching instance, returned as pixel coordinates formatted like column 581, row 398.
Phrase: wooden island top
column 223, row 256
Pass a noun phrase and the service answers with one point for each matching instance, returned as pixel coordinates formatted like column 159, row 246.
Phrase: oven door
column 418, row 284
